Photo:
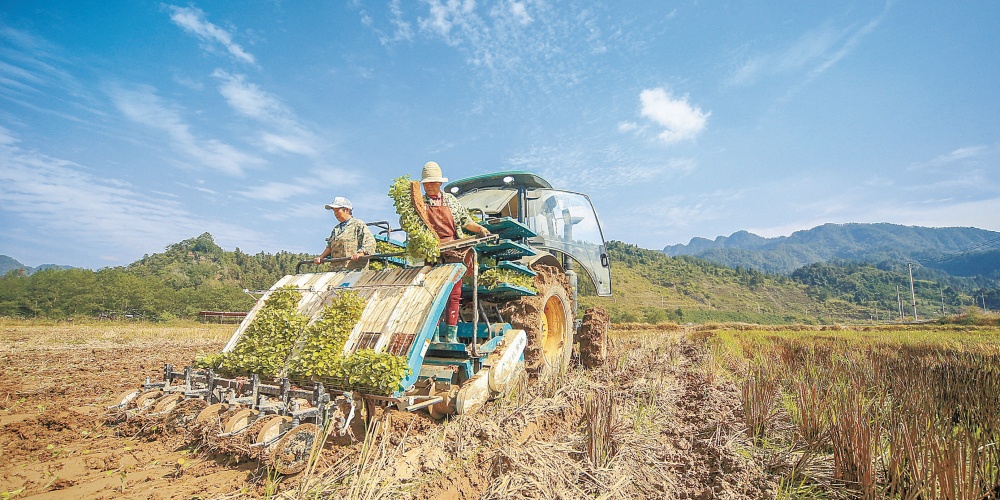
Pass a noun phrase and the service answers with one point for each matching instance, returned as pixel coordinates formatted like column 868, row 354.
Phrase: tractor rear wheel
column 547, row 318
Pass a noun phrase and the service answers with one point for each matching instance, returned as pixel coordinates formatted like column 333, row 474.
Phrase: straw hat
column 432, row 173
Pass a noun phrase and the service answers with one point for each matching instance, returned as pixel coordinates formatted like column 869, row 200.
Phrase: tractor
column 507, row 332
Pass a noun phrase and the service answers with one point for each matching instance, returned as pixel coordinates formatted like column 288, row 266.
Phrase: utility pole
column 899, row 299
column 913, row 294
column 942, row 302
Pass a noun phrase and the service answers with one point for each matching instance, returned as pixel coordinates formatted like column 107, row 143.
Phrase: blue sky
column 126, row 126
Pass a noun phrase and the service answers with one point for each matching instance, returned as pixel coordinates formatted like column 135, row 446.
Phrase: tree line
column 188, row 277
column 196, row 275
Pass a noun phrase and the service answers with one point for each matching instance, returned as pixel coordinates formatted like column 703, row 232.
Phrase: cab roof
column 521, row 178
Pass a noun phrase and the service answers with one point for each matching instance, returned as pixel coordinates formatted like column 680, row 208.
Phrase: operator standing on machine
column 351, row 238
column 447, row 218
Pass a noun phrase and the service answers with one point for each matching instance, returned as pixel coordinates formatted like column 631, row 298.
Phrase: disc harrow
column 259, row 414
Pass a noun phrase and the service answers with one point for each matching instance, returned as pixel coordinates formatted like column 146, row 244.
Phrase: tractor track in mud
column 709, row 414
column 691, row 453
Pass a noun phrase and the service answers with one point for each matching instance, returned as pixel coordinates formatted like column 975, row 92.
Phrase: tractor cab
column 563, row 223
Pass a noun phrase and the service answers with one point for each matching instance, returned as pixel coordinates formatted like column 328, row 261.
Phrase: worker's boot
column 437, row 335
column 452, row 334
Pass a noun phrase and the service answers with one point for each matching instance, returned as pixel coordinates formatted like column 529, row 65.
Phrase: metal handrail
column 346, row 259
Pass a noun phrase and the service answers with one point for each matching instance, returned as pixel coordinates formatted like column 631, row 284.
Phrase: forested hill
column 196, row 261
column 650, row 286
column 960, row 251
column 196, row 274
column 189, row 276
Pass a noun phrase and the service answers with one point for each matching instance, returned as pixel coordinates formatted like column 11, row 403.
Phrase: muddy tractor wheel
column 593, row 337
column 547, row 318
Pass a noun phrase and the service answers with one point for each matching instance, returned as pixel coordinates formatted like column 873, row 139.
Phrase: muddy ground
column 654, row 422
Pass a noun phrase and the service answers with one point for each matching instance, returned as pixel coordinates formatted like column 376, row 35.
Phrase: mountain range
column 196, row 275
column 958, row 251
column 10, row 263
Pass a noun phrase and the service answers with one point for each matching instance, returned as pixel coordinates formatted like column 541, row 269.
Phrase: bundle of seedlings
column 422, row 243
column 494, row 277
column 281, row 342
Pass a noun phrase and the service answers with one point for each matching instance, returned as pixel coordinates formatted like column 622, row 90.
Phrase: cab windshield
column 566, row 222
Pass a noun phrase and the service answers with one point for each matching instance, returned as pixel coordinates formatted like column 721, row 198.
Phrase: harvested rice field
column 707, row 412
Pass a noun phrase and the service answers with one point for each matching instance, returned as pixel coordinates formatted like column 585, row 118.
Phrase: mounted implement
column 518, row 316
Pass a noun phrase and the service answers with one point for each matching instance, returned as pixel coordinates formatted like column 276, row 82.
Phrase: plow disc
column 273, row 428
column 211, row 413
column 291, row 454
column 143, row 402
column 165, row 404
column 240, row 421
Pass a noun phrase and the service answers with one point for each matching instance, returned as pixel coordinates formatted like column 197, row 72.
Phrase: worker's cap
column 432, row 173
column 339, row 202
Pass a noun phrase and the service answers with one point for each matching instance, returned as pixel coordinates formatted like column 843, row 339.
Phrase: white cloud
column 297, row 211
column 584, row 169
column 60, row 197
column 403, row 30
column 192, row 20
column 975, row 213
column 251, row 101
column 444, row 15
column 143, row 106
column 974, row 167
column 317, row 180
column 508, row 43
column 627, row 126
column 810, row 48
column 637, row 174
column 189, row 83
column 679, row 212
column 520, row 12
column 399, row 30
column 963, row 155
column 274, row 143
column 34, row 68
column 813, row 52
column 277, row 191
column 334, row 177
column 680, row 120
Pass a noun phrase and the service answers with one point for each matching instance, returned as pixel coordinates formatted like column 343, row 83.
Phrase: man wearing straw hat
column 448, row 218
column 350, row 238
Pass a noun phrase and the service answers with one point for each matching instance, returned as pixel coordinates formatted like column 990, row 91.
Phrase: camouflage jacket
column 458, row 212
column 351, row 236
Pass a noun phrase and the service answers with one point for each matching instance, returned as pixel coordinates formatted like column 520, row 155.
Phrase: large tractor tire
column 593, row 337
column 547, row 318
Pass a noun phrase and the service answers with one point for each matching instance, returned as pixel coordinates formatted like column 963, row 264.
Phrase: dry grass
column 759, row 395
column 907, row 413
column 599, row 433
column 627, row 429
column 68, row 334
